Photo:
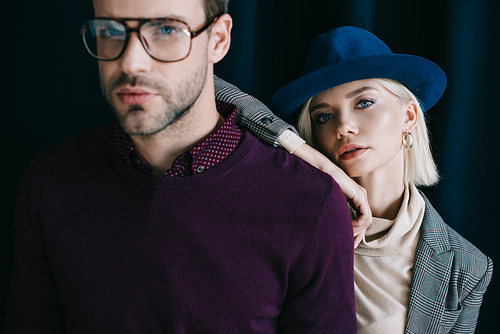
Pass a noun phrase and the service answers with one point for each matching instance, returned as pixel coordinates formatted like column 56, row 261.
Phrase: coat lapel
column 431, row 275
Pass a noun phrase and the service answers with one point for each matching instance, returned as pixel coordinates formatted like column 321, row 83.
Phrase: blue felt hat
column 348, row 54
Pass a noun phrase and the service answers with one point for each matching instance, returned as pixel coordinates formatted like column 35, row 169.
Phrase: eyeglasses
column 166, row 40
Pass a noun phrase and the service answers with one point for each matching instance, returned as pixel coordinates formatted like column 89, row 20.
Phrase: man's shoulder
column 280, row 163
column 283, row 190
column 281, row 172
column 86, row 146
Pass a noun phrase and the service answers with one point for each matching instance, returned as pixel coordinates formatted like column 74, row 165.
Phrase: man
column 170, row 221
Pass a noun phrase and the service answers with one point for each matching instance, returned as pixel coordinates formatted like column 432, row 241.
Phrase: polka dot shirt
column 207, row 154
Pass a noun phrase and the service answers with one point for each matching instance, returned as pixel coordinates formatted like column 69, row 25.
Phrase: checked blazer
column 450, row 275
column 252, row 114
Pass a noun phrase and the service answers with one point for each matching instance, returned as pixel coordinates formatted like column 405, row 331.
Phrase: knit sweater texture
column 260, row 243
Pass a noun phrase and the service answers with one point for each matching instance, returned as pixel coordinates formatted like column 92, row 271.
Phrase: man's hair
column 215, row 7
column 419, row 164
column 212, row 7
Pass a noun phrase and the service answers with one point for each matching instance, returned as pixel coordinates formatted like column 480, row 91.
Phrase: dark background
column 49, row 91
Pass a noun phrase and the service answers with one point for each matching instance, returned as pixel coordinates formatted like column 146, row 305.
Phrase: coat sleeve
column 468, row 316
column 34, row 306
column 320, row 293
column 252, row 114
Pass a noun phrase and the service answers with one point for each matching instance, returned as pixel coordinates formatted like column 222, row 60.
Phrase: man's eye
column 167, row 30
column 323, row 118
column 111, row 32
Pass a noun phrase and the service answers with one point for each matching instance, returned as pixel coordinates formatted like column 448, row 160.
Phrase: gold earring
column 408, row 140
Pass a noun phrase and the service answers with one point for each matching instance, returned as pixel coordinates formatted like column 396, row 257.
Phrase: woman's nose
column 346, row 126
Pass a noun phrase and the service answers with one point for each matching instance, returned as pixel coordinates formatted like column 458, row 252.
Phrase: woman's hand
column 356, row 195
column 359, row 203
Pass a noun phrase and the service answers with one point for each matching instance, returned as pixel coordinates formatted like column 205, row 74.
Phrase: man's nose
column 135, row 59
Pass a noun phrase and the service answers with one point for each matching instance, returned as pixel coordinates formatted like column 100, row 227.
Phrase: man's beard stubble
column 187, row 94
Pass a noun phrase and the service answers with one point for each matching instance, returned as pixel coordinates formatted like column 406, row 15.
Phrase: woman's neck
column 385, row 189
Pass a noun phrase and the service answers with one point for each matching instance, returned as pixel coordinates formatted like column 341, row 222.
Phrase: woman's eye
column 364, row 104
column 323, row 118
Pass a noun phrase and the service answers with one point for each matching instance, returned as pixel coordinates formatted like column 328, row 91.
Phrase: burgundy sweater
column 260, row 243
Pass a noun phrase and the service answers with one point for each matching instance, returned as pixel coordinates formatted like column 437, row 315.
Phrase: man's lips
column 134, row 96
column 351, row 151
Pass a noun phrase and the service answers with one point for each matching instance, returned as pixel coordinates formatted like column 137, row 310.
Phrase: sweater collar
column 386, row 237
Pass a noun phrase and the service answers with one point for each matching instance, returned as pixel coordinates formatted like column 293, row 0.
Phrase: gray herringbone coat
column 450, row 278
column 450, row 275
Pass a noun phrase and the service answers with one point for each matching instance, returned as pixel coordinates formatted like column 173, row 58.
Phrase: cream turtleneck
column 383, row 267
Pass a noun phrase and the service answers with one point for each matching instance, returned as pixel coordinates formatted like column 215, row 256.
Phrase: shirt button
column 135, row 161
column 267, row 120
column 200, row 169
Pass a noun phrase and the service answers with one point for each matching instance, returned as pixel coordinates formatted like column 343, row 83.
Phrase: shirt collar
column 213, row 150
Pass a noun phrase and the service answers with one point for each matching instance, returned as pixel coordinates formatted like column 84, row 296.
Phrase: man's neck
column 161, row 149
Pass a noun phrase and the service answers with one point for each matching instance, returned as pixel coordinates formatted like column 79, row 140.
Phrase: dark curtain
column 50, row 90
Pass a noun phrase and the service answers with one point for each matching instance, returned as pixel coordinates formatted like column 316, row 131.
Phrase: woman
column 362, row 107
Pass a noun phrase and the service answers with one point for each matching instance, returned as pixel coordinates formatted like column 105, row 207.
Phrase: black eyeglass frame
column 129, row 30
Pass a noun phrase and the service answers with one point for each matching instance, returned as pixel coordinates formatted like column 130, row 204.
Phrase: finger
column 357, row 239
column 357, row 231
column 364, row 214
column 362, row 223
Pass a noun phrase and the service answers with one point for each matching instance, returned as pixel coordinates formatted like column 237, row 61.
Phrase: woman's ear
column 220, row 38
column 411, row 114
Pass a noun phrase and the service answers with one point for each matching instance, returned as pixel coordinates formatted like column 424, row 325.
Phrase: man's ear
column 411, row 115
column 220, row 38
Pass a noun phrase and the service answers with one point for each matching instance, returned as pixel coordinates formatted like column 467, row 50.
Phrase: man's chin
column 145, row 121
column 135, row 121
column 142, row 130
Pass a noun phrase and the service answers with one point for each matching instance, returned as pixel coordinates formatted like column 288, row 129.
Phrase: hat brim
column 423, row 77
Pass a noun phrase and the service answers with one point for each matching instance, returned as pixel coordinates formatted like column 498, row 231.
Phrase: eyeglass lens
column 163, row 39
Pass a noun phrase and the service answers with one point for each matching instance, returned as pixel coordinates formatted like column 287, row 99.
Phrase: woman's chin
column 354, row 172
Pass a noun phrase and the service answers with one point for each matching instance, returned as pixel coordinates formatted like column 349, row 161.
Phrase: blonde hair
column 419, row 165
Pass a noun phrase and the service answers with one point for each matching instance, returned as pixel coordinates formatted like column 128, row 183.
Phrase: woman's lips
column 351, row 151
column 134, row 96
